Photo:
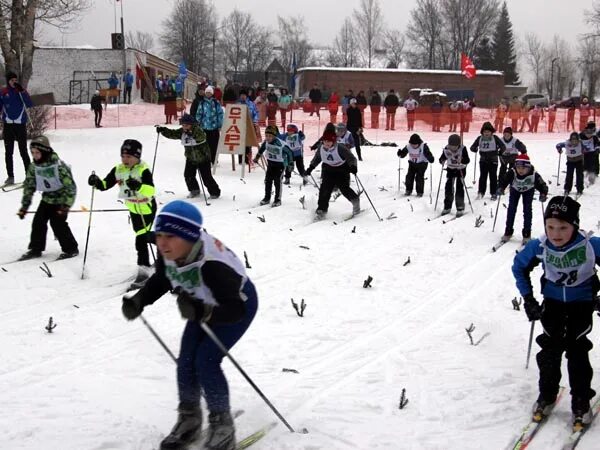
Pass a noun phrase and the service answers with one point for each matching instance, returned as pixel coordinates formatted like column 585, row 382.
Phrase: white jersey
column 187, row 140
column 454, row 158
column 411, row 104
column 587, row 145
column 486, row 146
column 510, row 146
column 416, row 155
column 274, row 151
column 571, row 267
column 189, row 277
column 346, row 139
column 573, row 151
column 294, row 142
column 331, row 157
column 47, row 178
column 524, row 184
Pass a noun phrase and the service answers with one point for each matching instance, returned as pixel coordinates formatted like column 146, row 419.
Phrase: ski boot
column 193, row 194
column 526, row 237
column 67, row 255
column 185, row 431
column 494, row 197
column 9, row 181
column 445, row 211
column 460, row 212
column 214, row 196
column 506, row 237
column 407, row 193
column 582, row 414
column 221, row 432
column 542, row 408
column 479, row 196
column 286, row 180
column 420, row 195
column 276, row 203
column 320, row 214
column 356, row 206
column 265, row 201
column 30, row 254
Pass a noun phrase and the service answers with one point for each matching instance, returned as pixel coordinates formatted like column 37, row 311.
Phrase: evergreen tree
column 503, row 48
column 483, row 57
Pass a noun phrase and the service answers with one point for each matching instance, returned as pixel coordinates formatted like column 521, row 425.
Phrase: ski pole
column 86, row 210
column 360, row 185
column 437, row 196
column 87, row 239
column 203, row 190
column 160, row 341
column 430, row 183
column 558, row 172
column 530, row 343
column 475, row 169
column 315, row 182
column 399, row 173
column 155, row 152
column 466, row 190
column 223, row 349
column 496, row 216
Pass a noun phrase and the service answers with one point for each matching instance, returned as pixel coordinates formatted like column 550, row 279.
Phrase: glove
column 532, row 308
column 133, row 184
column 63, row 210
column 22, row 213
column 559, row 149
column 189, row 307
column 543, row 197
column 159, row 129
column 307, row 172
column 255, row 159
column 132, row 306
column 94, row 180
column 499, row 191
column 353, row 170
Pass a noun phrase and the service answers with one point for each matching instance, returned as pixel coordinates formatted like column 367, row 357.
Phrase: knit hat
column 328, row 135
column 487, row 126
column 454, row 139
column 591, row 126
column 272, row 129
column 243, row 92
column 340, row 126
column 415, row 139
column 132, row 147
column 209, row 90
column 10, row 75
column 563, row 208
column 522, row 161
column 292, row 127
column 187, row 119
column 329, row 127
column 353, row 101
column 41, row 143
column 181, row 219
column 508, row 130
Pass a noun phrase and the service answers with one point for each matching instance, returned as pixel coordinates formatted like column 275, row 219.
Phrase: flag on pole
column 294, row 72
column 467, row 67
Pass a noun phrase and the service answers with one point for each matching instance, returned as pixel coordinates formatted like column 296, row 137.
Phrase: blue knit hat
column 181, row 219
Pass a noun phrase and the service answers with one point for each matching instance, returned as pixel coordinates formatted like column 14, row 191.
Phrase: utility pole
column 552, row 79
column 124, row 47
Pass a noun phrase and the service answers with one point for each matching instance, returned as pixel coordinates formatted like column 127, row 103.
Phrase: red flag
column 467, row 67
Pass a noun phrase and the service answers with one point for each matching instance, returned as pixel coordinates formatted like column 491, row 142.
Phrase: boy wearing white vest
column 456, row 158
column 279, row 157
column 419, row 156
column 51, row 176
column 514, row 147
column 573, row 148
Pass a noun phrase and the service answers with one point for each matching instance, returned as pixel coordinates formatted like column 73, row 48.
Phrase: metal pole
column 87, row 239
column 124, row 49
column 558, row 172
column 437, row 196
column 360, row 185
column 530, row 344
column 430, row 183
column 496, row 216
column 399, row 172
column 160, row 341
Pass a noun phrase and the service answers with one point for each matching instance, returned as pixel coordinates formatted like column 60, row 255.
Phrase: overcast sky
column 323, row 18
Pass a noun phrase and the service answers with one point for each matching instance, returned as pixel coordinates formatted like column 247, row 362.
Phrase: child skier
column 591, row 148
column 513, row 147
column 489, row 146
column 523, row 181
column 51, row 176
column 574, row 151
column 136, row 188
column 197, row 155
column 213, row 289
column 338, row 164
column 279, row 157
column 344, row 136
column 457, row 157
column 569, row 289
column 418, row 157
column 294, row 139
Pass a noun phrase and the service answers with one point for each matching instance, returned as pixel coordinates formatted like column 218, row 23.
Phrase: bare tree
column 592, row 16
column 424, row 31
column 258, row 50
column 344, row 51
column 536, row 57
column 368, row 20
column 589, row 58
column 565, row 78
column 18, row 20
column 393, row 43
column 292, row 32
column 187, row 34
column 139, row 40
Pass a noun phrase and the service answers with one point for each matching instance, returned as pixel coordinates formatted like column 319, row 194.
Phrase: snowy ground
column 100, row 382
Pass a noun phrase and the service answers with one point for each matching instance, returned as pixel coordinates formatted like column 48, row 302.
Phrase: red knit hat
column 329, row 136
column 523, row 161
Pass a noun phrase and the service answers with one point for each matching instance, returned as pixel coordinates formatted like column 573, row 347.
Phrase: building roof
column 366, row 69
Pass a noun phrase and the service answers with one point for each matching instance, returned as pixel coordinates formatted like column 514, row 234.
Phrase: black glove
column 133, row 184
column 94, row 180
column 532, row 308
column 543, row 197
column 499, row 191
column 353, row 170
column 22, row 213
column 160, row 129
column 307, row 172
column 132, row 306
column 189, row 307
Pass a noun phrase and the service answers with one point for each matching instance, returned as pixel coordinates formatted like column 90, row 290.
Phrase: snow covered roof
column 366, row 69
column 79, row 47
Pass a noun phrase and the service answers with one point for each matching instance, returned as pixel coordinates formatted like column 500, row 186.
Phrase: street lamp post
column 552, row 78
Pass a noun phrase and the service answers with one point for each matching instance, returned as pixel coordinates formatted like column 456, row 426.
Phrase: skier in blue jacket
column 569, row 289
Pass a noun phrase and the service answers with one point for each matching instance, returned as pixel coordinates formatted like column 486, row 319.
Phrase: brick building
column 487, row 86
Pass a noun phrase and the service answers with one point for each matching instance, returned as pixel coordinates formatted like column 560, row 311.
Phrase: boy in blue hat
column 212, row 286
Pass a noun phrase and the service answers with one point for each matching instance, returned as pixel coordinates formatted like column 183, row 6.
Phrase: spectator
column 361, row 103
column 96, row 106
column 525, row 118
column 218, row 93
column 315, row 99
column 500, row 115
column 411, row 105
column 285, row 104
column 254, row 115
column 228, row 94
column 179, row 86
column 197, row 96
column 514, row 112
column 272, row 106
column 158, row 85
column 260, row 102
column 127, row 85
column 571, row 116
column 585, row 110
column 467, row 116
column 14, row 101
column 113, row 83
column 209, row 116
column 390, row 103
column 436, row 112
column 332, row 106
column 537, row 113
column 375, row 105
column 346, row 102
column 455, row 108
column 355, row 125
column 551, row 110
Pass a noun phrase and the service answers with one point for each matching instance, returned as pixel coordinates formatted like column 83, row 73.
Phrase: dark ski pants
column 329, row 182
column 97, row 117
column 488, row 168
column 142, row 225
column 58, row 222
column 577, row 167
column 416, row 171
column 590, row 162
column 15, row 132
column 199, row 363
column 507, row 162
column 299, row 160
column 410, row 120
column 204, row 170
column 356, row 138
column 566, row 326
column 127, row 94
column 273, row 176
column 212, row 139
column 449, row 196
column 513, row 202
